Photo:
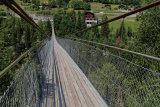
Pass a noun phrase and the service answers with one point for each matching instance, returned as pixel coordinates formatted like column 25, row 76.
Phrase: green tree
column 59, row 3
column 86, row 6
column 48, row 27
column 40, row 35
column 27, row 36
column 19, row 32
column 52, row 4
column 116, row 2
column 122, row 32
column 79, row 23
column 103, row 82
column 105, row 28
column 77, row 4
column 129, row 31
column 83, row 23
column 96, row 32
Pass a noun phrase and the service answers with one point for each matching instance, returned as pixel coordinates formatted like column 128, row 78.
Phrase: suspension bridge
column 67, row 73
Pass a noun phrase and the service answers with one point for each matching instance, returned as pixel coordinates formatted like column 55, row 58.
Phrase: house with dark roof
column 107, row 6
column 45, row 5
column 121, row 6
column 90, row 18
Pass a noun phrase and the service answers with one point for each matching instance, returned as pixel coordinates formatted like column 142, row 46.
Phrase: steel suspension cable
column 18, row 7
column 21, row 15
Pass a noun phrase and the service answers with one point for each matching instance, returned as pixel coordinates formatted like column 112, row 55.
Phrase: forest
column 126, row 2
column 17, row 36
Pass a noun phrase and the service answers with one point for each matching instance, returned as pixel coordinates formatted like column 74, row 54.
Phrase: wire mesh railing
column 119, row 81
column 27, row 87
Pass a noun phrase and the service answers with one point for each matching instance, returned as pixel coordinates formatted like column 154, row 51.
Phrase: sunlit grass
column 116, row 25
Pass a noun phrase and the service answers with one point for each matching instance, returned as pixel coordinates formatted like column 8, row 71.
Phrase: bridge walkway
column 66, row 85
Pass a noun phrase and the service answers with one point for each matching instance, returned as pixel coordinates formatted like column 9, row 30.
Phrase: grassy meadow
column 116, row 24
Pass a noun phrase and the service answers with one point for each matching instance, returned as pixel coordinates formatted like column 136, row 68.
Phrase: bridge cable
column 120, row 49
column 17, row 6
column 21, row 15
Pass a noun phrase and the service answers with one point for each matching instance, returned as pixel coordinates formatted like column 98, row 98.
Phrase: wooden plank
column 66, row 89
column 49, row 88
column 55, row 88
column 94, row 95
column 71, row 100
column 62, row 102
column 66, row 102
column 80, row 85
column 96, row 101
column 74, row 86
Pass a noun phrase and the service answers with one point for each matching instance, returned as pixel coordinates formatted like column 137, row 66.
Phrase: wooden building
column 108, row 6
column 45, row 5
column 90, row 18
column 121, row 6
column 89, row 15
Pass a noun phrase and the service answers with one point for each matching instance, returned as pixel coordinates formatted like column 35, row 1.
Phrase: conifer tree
column 27, row 36
column 122, row 32
column 79, row 23
column 83, row 24
column 39, row 34
column 48, row 28
column 19, row 32
column 105, row 28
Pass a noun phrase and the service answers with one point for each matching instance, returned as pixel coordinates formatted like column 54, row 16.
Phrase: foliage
column 77, row 5
column 45, row 13
column 109, row 90
column 16, row 36
column 126, row 2
column 67, row 23
column 52, row 4
column 105, row 28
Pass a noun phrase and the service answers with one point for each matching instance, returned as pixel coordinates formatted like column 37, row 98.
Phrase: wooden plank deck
column 66, row 85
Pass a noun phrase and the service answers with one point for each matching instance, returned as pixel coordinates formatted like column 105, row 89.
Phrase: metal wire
column 119, row 81
column 23, row 12
column 29, row 20
column 27, row 87
column 120, row 49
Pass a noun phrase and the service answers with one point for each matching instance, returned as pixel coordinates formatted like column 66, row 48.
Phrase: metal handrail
column 120, row 49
